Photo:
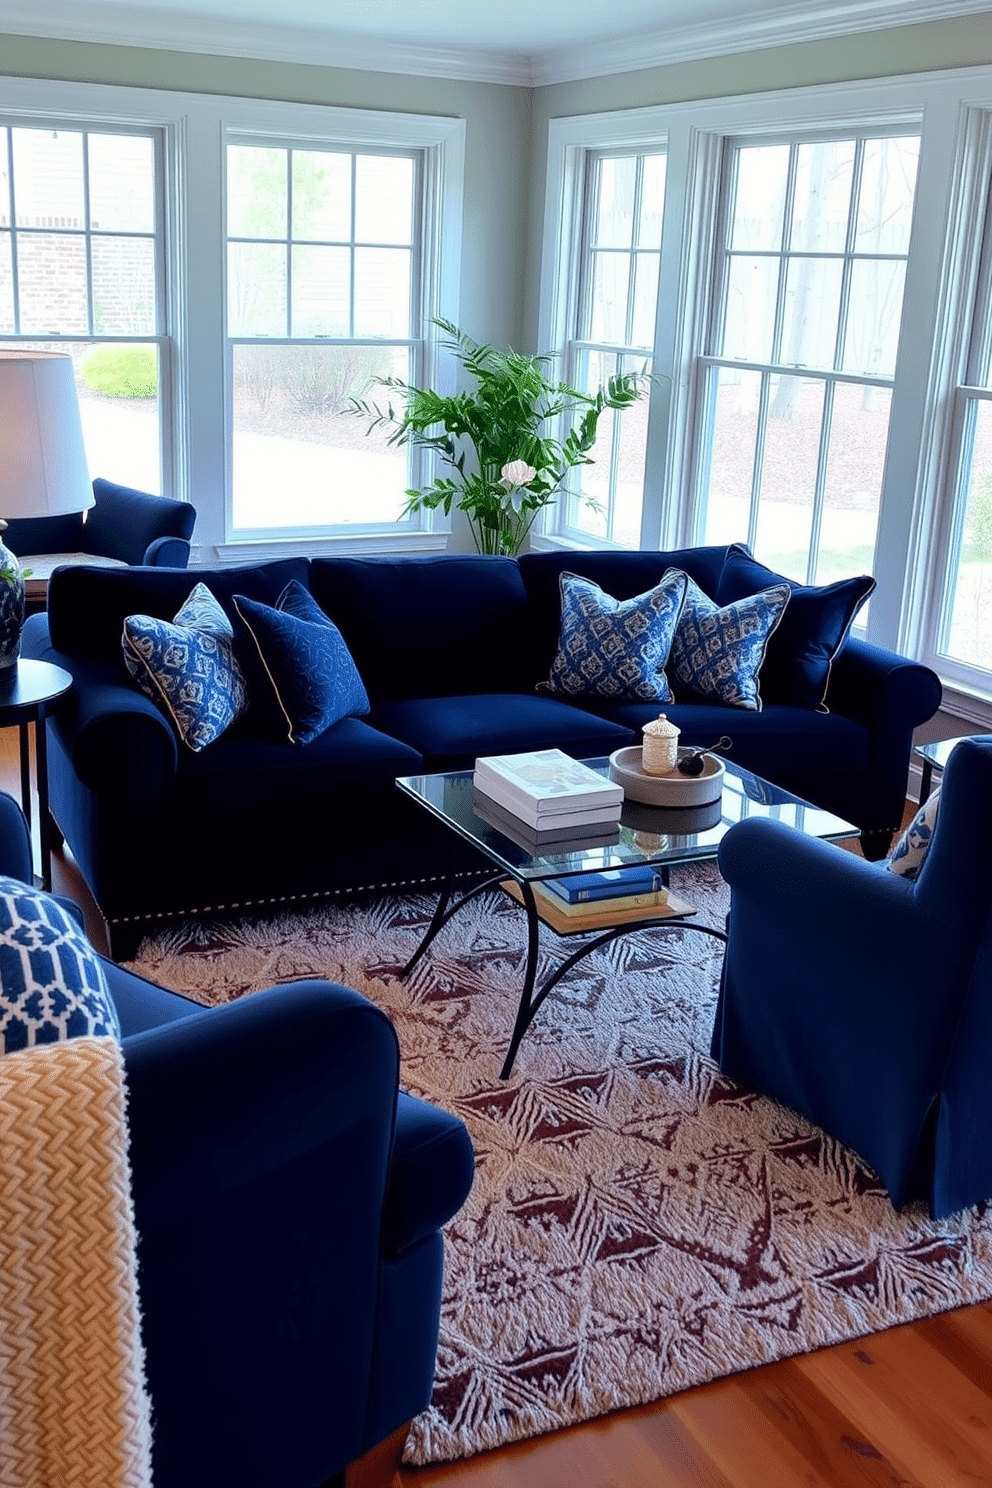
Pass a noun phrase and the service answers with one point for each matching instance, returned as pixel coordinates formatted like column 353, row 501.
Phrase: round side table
column 27, row 692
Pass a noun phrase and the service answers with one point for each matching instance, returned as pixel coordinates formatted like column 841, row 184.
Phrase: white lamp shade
column 43, row 470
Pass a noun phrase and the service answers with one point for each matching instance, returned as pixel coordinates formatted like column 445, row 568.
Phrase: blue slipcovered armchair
column 131, row 526
column 864, row 999
column 288, row 1203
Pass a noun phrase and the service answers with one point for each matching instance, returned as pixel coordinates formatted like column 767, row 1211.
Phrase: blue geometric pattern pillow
column 614, row 648
column 188, row 667
column 909, row 852
column 717, row 652
column 52, row 985
column 302, row 674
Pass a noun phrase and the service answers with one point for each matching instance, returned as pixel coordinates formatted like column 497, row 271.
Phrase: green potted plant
column 499, row 437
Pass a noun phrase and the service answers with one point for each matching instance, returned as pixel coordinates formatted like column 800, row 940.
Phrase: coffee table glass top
column 645, row 834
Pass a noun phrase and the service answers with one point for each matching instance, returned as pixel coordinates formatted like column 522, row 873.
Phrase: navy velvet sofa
column 288, row 1200
column 450, row 649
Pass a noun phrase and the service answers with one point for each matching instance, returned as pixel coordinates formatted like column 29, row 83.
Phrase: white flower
column 515, row 474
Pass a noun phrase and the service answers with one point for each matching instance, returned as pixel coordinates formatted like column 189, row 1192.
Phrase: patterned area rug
column 639, row 1224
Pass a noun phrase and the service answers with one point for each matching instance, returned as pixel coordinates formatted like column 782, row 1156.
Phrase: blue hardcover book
column 612, row 883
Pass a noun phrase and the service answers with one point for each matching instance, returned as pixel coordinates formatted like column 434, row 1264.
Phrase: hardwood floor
column 909, row 1407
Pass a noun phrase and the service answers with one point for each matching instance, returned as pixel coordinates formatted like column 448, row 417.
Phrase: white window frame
column 440, row 144
column 710, row 362
column 629, row 357
column 64, row 112
column 574, row 142
column 945, row 106
column 939, row 504
column 195, row 398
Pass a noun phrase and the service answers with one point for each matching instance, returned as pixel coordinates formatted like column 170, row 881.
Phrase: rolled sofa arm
column 118, row 740
column 890, row 696
column 879, row 687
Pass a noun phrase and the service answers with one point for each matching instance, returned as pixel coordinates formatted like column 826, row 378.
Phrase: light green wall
column 497, row 140
column 961, row 41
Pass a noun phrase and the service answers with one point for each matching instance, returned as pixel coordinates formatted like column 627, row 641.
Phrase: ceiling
column 515, row 41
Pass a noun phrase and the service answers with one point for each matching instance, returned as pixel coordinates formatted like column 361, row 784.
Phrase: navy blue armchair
column 125, row 524
column 864, row 1000
column 288, row 1203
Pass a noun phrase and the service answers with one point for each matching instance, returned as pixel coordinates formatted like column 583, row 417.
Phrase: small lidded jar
column 660, row 751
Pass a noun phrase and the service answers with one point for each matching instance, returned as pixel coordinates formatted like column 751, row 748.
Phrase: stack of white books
column 552, row 796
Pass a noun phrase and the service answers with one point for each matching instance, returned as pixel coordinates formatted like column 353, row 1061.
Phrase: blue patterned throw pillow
column 717, row 651
column 52, row 985
column 613, row 648
column 908, row 855
column 188, row 667
column 303, row 677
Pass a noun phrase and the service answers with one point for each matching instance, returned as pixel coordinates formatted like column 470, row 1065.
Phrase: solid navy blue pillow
column 812, row 630
column 301, row 676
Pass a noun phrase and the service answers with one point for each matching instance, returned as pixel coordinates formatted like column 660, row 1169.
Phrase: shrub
column 122, row 371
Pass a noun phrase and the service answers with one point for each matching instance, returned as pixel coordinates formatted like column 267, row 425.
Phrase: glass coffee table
column 645, row 835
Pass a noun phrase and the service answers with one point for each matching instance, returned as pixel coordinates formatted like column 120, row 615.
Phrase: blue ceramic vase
column 11, row 607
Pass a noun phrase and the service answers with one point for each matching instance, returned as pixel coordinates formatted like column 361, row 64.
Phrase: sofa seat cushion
column 240, row 771
column 451, row 732
column 142, row 1005
column 779, row 741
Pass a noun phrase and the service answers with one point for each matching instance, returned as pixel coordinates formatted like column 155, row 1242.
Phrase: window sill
column 256, row 550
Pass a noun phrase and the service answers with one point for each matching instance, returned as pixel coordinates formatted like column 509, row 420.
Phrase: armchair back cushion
column 45, row 534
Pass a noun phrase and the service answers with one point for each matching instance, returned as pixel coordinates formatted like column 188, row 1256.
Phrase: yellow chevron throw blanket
column 74, row 1412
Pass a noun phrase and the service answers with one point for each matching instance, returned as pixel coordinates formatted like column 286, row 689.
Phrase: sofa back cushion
column 621, row 575
column 87, row 606
column 439, row 626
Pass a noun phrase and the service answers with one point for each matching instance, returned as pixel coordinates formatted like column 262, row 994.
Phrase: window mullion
column 784, row 260
column 966, row 420
column 635, row 221
column 352, row 243
column 820, row 484
column 761, row 427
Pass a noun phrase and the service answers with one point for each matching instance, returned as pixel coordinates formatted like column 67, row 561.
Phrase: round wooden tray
column 676, row 790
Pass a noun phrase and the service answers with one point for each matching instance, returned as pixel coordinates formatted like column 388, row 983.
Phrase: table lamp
column 43, row 470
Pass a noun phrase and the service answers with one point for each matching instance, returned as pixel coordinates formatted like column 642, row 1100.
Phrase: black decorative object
column 693, row 762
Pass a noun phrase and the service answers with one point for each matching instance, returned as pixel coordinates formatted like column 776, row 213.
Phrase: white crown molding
column 164, row 30
column 768, row 25
column 764, row 27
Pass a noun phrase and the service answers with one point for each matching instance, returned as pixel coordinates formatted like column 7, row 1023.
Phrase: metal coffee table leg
column 443, row 912
column 529, row 1004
